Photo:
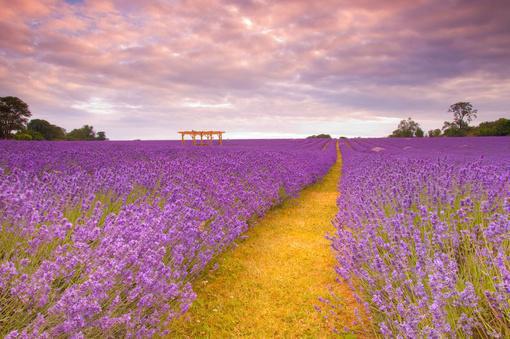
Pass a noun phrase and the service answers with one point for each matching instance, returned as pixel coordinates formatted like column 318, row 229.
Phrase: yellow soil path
column 268, row 285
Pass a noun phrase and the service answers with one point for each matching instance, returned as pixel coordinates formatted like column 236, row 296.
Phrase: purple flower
column 424, row 219
column 110, row 235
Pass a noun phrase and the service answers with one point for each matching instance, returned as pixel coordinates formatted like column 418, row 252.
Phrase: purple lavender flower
column 428, row 231
column 108, row 236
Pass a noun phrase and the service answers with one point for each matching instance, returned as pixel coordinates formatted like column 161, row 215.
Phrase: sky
column 255, row 69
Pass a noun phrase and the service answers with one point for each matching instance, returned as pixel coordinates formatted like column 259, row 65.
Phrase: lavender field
column 337, row 169
column 105, row 238
column 108, row 238
column 424, row 235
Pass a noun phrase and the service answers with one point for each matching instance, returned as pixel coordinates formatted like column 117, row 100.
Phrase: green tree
column 22, row 135
column 35, row 135
column 451, row 129
column 407, row 129
column 463, row 114
column 320, row 136
column 14, row 114
column 101, row 135
column 47, row 130
column 434, row 133
column 499, row 127
column 84, row 133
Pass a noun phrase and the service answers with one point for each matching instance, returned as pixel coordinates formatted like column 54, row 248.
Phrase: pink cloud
column 273, row 60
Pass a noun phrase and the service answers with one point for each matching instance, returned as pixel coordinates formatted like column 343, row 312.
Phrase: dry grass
column 268, row 285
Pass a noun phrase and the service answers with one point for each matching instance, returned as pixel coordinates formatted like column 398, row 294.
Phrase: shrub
column 22, row 136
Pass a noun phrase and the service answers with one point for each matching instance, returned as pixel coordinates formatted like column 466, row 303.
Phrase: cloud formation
column 142, row 69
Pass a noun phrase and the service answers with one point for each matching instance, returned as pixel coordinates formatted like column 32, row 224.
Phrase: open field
column 335, row 169
column 424, row 234
column 105, row 238
column 270, row 284
column 118, row 238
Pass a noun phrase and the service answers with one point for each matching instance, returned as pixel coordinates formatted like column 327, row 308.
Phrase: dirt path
column 268, row 285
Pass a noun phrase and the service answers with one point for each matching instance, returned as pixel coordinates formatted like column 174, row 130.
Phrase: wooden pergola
column 207, row 135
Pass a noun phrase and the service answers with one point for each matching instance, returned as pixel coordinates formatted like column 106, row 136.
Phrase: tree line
column 463, row 114
column 319, row 136
column 15, row 124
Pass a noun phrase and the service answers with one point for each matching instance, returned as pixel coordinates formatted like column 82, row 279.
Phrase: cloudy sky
column 256, row 69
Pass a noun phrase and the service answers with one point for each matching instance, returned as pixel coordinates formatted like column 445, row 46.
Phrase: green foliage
column 463, row 114
column 101, row 136
column 34, row 134
column 451, row 129
column 320, row 136
column 407, row 129
column 14, row 114
column 46, row 130
column 84, row 133
column 498, row 127
column 22, row 136
column 434, row 133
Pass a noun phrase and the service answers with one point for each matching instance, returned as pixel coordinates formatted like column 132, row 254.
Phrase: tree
column 451, row 129
column 320, row 136
column 84, row 133
column 101, row 136
column 34, row 134
column 22, row 135
column 14, row 114
column 407, row 129
column 463, row 114
column 499, row 127
column 47, row 130
column 434, row 133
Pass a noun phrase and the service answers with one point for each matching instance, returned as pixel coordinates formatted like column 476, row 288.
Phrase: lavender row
column 424, row 234
column 105, row 238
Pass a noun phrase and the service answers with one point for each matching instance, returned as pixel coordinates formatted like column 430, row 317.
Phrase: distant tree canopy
column 46, row 130
column 433, row 133
column 38, row 129
column 407, row 129
column 452, row 130
column 498, row 127
column 101, row 135
column 463, row 114
column 321, row 136
column 14, row 114
column 84, row 133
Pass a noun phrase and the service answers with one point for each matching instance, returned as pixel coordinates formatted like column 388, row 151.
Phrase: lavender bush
column 424, row 234
column 104, row 238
